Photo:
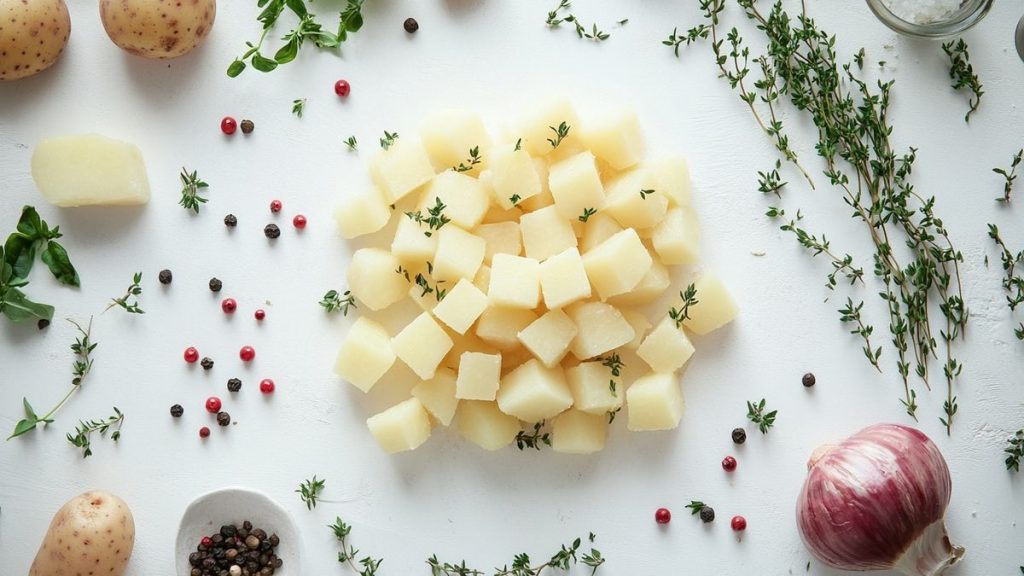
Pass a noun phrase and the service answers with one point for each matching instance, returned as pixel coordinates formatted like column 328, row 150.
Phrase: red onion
column 876, row 502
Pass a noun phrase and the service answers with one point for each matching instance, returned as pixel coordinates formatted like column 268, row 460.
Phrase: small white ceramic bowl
column 206, row 514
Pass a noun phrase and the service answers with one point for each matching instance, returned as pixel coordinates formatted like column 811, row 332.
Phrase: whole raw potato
column 33, row 34
column 158, row 28
column 92, row 534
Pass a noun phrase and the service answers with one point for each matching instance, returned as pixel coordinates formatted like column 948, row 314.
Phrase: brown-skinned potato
column 93, row 533
column 158, row 29
column 33, row 34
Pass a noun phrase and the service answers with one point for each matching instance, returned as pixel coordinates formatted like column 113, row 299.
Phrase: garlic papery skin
column 876, row 502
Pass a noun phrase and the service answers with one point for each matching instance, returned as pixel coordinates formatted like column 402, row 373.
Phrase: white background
column 451, row 498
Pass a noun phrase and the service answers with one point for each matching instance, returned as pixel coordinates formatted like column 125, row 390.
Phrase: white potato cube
column 677, row 238
column 715, row 307
column 372, row 278
column 601, row 328
column 448, row 136
column 563, row 279
column 515, row 282
column 478, row 377
column 546, row 233
column 363, row 214
column 666, row 348
column 540, row 122
column 513, row 174
column 615, row 137
column 401, row 169
column 575, row 432
column 597, row 229
column 618, row 264
column 501, row 238
column 672, row 177
column 459, row 254
column 464, row 198
column 482, row 280
column 426, row 301
column 533, row 392
column 438, row 396
column 422, row 344
column 403, row 427
column 548, row 337
column 89, row 170
column 414, row 243
column 641, row 326
column 634, row 201
column 365, row 354
column 590, row 384
column 483, row 424
column 576, row 185
column 461, row 306
column 500, row 327
column 650, row 287
column 655, row 402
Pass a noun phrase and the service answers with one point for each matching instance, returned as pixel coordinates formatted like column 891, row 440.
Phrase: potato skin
column 158, row 29
column 92, row 534
column 33, row 34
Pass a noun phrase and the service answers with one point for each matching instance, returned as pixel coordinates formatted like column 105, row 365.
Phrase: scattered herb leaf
column 84, row 430
column 333, row 301
column 135, row 289
column 309, row 491
column 757, row 415
column 191, row 187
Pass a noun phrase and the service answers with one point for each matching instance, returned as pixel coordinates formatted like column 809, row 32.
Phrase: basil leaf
column 288, row 52
column 20, row 253
column 236, row 68
column 56, row 258
column 262, row 63
column 22, row 427
column 29, row 412
column 30, row 224
column 18, row 308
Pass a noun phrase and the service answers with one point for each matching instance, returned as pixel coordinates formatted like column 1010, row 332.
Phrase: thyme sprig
column 1009, row 175
column 388, row 140
column 1015, row 451
column 472, row 161
column 756, row 414
column 675, row 39
column 587, row 213
column 309, row 491
column 298, row 106
column 681, row 314
column 365, row 566
column 564, row 559
column 438, row 568
column 85, row 429
column 533, row 439
column 333, row 301
column 555, row 19
column 771, row 182
column 135, row 289
column 840, row 265
column 1013, row 282
column 191, row 188
column 352, row 143
column 424, row 284
column 850, row 314
column 561, row 132
column 435, row 219
column 962, row 73
column 615, row 365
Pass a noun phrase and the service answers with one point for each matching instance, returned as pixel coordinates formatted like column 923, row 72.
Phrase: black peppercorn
column 247, row 126
column 271, row 231
column 177, row 411
column 230, row 221
column 739, row 436
column 809, row 380
column 223, row 418
column 215, row 285
column 274, row 540
column 165, row 276
column 206, row 363
column 411, row 25
column 707, row 514
column 234, row 385
column 43, row 323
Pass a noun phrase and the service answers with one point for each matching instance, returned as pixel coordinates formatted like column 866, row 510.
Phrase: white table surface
column 449, row 497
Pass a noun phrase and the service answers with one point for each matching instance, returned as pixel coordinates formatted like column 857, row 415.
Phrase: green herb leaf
column 262, row 63
column 309, row 491
column 56, row 259
column 18, row 308
column 236, row 68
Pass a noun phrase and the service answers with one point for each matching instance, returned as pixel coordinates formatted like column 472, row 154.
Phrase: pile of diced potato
column 544, row 256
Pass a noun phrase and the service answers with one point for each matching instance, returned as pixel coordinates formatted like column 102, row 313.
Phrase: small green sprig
column 388, row 140
column 564, row 559
column 757, row 415
column 962, row 73
column 682, row 314
column 615, row 364
column 333, row 301
column 298, row 106
column 438, row 568
column 675, row 39
column 515, row 199
column 771, row 182
column 1013, row 282
column 1009, row 175
column 555, row 19
column 309, row 491
column 613, row 413
column 191, row 187
column 472, row 161
column 561, row 132
column 850, row 314
column 533, row 439
column 587, row 213
column 135, row 289
column 435, row 219
column 84, row 430
column 519, row 145
column 840, row 265
column 695, row 506
column 1015, row 451
column 424, row 284
column 644, row 193
column 366, row 566
column 352, row 143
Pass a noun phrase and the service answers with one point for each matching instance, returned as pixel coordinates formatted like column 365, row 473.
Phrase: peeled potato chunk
column 576, row 185
column 672, row 178
column 563, row 279
column 500, row 326
column 590, row 384
column 448, row 136
column 666, row 348
column 461, row 306
column 478, row 378
column 514, row 282
column 548, row 337
column 601, row 328
column 365, row 354
column 575, row 432
column 400, row 169
column 372, row 278
column 538, row 124
column 618, row 264
column 459, row 254
column 677, row 238
column 615, row 137
column 422, row 345
column 715, row 309
column 514, row 176
column 464, row 198
column 483, row 424
column 402, row 427
column 90, row 170
column 634, row 201
column 363, row 214
column 501, row 238
column 533, row 392
column 546, row 233
column 655, row 402
column 437, row 395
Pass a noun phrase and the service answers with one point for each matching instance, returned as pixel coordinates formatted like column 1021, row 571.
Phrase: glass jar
column 967, row 15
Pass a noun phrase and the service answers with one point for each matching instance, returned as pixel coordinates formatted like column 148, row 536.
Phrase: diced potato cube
column 401, row 169
column 576, row 185
column 459, row 254
column 88, row 169
column 478, row 377
column 618, row 264
column 372, row 278
column 438, row 396
column 666, row 348
column 563, row 279
column 412, row 244
column 634, row 201
column 365, row 354
column 483, row 424
column 590, row 384
column 715, row 309
column 461, row 306
column 363, row 214
column 544, row 198
column 677, row 238
column 540, row 123
column 575, row 432
column 500, row 327
column 403, row 427
column 513, row 173
column 482, row 280
column 641, row 326
column 615, row 137
column 601, row 328
column 650, row 287
column 672, row 176
column 501, row 238
column 422, row 345
column 448, row 136
column 546, row 233
column 425, row 300
column 515, row 282
column 534, row 392
column 655, row 402
column 549, row 336
column 597, row 229
column 464, row 198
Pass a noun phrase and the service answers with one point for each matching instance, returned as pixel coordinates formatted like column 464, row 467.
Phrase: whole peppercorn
column 213, row 404
column 177, row 411
column 662, row 516
column 729, row 464
column 228, row 125
column 342, row 88
column 223, row 418
column 204, row 432
column 738, row 523
column 260, row 314
column 235, row 570
column 739, row 436
column 271, row 231
column 248, row 126
column 215, row 285
column 206, row 363
column 206, row 542
column 43, row 324
column 234, row 385
column 809, row 380
column 275, row 206
column 230, row 221
column 191, row 355
column 229, row 305
column 299, row 221
column 707, row 514
column 247, row 353
column 411, row 25
column 228, row 530
column 165, row 276
column 252, row 542
column 267, row 386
